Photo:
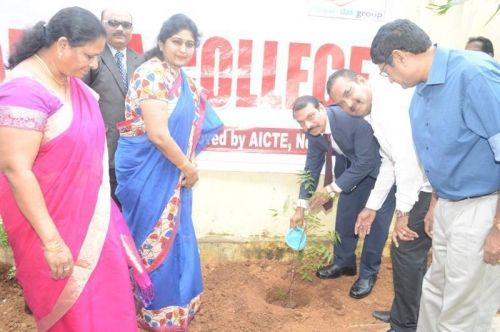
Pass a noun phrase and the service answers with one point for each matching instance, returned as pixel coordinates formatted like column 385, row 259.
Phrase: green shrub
column 4, row 242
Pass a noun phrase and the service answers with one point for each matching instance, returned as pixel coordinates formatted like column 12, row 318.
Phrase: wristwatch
column 400, row 214
column 330, row 191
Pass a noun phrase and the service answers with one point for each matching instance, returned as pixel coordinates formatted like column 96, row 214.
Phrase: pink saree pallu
column 72, row 172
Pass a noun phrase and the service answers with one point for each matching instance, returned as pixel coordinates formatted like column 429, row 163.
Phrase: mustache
column 311, row 128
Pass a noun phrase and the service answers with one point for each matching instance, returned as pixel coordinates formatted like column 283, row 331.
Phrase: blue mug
column 296, row 238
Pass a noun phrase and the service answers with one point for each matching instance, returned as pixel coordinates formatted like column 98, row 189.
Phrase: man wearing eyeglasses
column 110, row 80
column 455, row 120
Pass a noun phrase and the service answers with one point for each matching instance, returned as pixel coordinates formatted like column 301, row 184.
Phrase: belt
column 469, row 197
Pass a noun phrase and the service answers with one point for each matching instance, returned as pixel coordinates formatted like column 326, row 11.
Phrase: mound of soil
column 253, row 297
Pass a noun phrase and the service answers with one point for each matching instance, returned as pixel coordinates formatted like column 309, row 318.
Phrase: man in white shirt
column 400, row 166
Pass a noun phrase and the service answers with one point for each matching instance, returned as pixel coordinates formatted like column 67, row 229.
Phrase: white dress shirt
column 390, row 121
column 303, row 203
column 114, row 51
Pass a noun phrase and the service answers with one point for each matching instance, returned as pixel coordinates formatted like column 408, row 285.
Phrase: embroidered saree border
column 156, row 247
column 170, row 319
column 22, row 118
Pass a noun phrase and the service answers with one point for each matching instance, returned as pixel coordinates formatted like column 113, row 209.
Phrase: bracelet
column 400, row 214
column 184, row 164
column 497, row 224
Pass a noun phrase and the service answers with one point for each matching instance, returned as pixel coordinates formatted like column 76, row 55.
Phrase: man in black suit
column 357, row 166
column 110, row 80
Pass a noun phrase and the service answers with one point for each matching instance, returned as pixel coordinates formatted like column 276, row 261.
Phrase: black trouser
column 409, row 264
column 349, row 205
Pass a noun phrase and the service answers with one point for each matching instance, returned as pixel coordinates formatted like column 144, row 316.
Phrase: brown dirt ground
column 12, row 315
column 236, row 299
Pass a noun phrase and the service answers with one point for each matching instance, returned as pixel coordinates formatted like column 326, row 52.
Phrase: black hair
column 348, row 74
column 486, row 44
column 303, row 101
column 78, row 25
column 403, row 35
column 170, row 27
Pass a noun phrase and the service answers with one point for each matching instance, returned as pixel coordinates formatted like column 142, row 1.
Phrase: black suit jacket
column 354, row 136
column 107, row 82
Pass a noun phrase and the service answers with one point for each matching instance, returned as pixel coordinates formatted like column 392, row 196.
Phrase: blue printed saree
column 155, row 205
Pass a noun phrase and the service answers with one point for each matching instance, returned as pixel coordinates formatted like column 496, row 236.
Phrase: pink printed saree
column 69, row 168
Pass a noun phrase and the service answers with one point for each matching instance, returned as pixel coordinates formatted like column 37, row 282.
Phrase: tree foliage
column 443, row 9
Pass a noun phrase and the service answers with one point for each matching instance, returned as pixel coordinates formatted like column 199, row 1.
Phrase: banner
column 253, row 60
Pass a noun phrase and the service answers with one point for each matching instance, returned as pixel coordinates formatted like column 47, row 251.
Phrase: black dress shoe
column 362, row 287
column 382, row 315
column 334, row 271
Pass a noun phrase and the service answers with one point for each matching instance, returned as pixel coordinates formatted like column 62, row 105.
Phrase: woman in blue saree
column 168, row 121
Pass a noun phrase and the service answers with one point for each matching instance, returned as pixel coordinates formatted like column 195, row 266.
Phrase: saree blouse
column 155, row 80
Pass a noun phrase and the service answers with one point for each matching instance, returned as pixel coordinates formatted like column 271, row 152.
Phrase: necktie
column 121, row 67
column 328, row 168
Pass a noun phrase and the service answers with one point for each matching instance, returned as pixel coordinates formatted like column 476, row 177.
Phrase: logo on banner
column 366, row 10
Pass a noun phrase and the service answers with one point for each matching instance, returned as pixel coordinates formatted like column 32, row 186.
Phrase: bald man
column 110, row 80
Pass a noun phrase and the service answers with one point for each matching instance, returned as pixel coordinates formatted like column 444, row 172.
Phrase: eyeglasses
column 382, row 71
column 387, row 59
column 179, row 42
column 116, row 24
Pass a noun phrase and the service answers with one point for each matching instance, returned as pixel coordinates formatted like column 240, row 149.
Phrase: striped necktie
column 121, row 67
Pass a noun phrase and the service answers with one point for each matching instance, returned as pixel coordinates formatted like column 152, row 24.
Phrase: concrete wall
column 233, row 218
column 238, row 204
column 461, row 22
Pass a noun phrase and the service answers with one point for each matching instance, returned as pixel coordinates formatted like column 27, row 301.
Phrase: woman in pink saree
column 71, row 246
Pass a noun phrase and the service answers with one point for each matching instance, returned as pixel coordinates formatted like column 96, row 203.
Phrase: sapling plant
column 318, row 250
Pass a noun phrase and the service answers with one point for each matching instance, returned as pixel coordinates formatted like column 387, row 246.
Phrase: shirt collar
column 437, row 73
column 114, row 50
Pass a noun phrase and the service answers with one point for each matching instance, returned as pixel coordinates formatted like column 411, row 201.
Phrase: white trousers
column 460, row 292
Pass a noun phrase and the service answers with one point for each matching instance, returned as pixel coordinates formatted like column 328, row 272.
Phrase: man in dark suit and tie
column 356, row 168
column 110, row 80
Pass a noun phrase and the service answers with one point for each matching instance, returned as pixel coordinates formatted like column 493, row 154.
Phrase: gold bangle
column 184, row 164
